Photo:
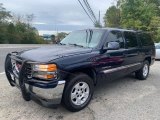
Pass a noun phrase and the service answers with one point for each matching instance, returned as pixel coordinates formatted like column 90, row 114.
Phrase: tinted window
column 131, row 39
column 115, row 36
column 145, row 39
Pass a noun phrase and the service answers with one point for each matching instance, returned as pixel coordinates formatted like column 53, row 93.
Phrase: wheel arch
column 148, row 59
column 88, row 71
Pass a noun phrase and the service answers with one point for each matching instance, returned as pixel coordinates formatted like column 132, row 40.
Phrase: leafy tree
column 98, row 25
column 61, row 35
column 141, row 15
column 157, row 36
column 4, row 15
column 112, row 17
column 17, row 29
column 53, row 38
column 136, row 14
column 154, row 28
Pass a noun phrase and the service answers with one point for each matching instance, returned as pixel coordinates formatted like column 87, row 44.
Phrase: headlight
column 48, row 68
column 46, row 72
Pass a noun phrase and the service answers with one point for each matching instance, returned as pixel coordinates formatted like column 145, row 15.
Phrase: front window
column 115, row 36
column 84, row 38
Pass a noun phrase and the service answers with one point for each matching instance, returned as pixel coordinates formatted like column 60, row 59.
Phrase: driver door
column 113, row 61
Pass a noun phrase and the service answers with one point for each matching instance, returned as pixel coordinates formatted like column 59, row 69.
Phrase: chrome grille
column 16, row 67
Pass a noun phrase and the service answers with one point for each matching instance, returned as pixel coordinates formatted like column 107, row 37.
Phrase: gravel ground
column 123, row 99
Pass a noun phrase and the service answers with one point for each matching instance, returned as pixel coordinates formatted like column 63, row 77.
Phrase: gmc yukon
column 68, row 72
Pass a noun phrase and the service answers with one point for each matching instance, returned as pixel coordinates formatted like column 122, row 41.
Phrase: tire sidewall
column 69, row 87
column 146, row 63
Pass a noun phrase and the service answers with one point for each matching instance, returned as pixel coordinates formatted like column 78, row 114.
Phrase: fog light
column 46, row 76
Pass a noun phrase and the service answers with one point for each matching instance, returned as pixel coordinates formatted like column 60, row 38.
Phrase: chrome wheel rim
column 80, row 93
column 145, row 70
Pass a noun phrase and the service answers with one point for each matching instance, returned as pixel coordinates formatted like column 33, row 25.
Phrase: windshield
column 85, row 38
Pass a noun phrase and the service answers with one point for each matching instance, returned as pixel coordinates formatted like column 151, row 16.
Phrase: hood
column 46, row 54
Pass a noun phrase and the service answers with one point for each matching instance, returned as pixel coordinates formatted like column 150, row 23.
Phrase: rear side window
column 131, row 39
column 115, row 36
column 145, row 39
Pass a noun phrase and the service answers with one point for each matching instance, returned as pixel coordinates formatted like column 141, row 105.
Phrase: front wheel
column 78, row 92
column 143, row 73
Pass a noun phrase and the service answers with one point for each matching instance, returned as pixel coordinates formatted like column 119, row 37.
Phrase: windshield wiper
column 86, row 36
column 76, row 45
column 91, row 34
column 62, row 43
column 88, row 40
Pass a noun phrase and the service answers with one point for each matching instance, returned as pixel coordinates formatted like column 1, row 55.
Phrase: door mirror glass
column 113, row 46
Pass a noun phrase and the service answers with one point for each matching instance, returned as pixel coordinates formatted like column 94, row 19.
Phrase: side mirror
column 113, row 46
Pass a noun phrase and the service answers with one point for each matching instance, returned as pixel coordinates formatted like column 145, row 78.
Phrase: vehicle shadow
column 103, row 86
column 107, row 87
column 157, row 60
column 104, row 90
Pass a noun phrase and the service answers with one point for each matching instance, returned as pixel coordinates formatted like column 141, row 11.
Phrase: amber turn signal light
column 48, row 68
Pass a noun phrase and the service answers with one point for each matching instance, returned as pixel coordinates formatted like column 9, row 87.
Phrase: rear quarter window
column 145, row 39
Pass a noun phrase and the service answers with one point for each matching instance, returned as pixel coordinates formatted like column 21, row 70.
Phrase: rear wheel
column 143, row 73
column 78, row 92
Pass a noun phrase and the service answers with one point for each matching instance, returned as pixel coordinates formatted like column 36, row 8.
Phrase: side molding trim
column 120, row 68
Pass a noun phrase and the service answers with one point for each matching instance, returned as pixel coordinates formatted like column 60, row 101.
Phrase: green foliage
column 53, row 37
column 135, row 14
column 97, row 25
column 157, row 36
column 17, row 32
column 61, row 35
column 154, row 23
column 4, row 15
column 112, row 17
column 154, row 27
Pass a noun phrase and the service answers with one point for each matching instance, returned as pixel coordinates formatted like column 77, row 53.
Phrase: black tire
column 78, row 79
column 140, row 73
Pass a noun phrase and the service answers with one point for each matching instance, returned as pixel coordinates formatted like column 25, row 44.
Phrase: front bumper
column 46, row 93
column 47, row 97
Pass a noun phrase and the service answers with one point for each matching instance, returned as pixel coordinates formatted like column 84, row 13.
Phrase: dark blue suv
column 68, row 72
